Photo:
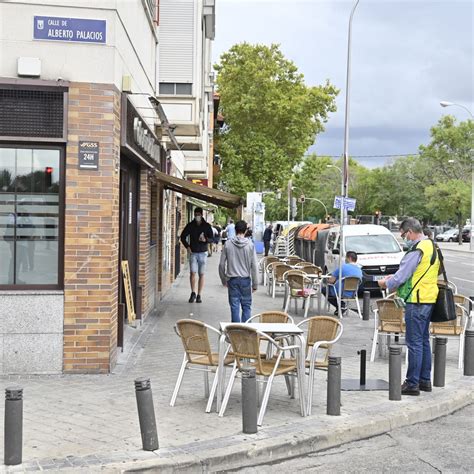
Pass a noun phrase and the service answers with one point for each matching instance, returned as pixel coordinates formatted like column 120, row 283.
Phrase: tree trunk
column 460, row 229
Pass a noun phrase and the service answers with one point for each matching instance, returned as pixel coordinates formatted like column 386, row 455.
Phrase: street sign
column 349, row 203
column 82, row 30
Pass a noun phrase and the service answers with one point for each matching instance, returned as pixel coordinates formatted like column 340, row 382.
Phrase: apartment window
column 30, row 216
column 173, row 88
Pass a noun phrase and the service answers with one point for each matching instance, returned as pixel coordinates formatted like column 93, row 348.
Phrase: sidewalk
column 455, row 247
column 90, row 423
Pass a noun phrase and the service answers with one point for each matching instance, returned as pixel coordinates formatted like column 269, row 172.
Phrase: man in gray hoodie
column 238, row 272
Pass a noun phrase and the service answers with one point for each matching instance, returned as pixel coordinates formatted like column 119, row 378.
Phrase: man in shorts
column 195, row 237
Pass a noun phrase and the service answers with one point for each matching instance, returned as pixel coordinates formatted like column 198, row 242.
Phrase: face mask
column 198, row 219
column 409, row 243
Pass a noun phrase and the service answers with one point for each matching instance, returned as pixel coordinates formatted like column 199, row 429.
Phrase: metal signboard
column 349, row 203
column 88, row 155
column 82, row 30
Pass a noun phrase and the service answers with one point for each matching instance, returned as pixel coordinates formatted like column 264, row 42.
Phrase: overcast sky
column 407, row 56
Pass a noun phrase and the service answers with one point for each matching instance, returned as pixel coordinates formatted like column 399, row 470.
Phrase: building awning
column 220, row 198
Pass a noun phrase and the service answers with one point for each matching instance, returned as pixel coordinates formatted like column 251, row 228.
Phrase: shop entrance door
column 128, row 248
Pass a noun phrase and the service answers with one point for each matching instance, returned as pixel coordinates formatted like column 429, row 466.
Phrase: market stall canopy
column 215, row 196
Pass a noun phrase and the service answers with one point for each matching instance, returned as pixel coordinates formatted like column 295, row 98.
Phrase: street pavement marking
column 462, row 279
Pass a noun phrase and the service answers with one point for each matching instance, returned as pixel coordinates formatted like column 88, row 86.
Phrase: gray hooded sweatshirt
column 238, row 259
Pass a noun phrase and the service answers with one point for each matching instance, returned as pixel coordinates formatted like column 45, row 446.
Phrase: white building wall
column 130, row 48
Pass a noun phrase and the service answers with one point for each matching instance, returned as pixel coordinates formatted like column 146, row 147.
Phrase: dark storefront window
column 30, row 216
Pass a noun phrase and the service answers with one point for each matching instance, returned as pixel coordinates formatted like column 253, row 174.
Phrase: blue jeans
column 417, row 320
column 240, row 295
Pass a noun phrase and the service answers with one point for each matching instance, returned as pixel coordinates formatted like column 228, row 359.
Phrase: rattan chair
column 298, row 286
column 198, row 356
column 262, row 265
column 322, row 333
column 388, row 321
column 245, row 342
column 348, row 284
column 271, row 317
column 292, row 260
column 310, row 268
column 457, row 327
column 277, row 276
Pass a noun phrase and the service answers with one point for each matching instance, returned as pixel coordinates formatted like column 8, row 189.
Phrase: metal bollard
column 440, row 361
column 469, row 352
column 249, row 400
column 366, row 306
column 363, row 358
column 13, row 430
column 334, row 387
column 146, row 414
column 395, row 373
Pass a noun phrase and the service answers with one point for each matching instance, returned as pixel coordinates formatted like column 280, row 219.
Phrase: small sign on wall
column 82, row 30
column 88, row 155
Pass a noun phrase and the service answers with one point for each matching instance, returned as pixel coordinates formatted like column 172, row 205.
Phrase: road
column 460, row 269
column 442, row 445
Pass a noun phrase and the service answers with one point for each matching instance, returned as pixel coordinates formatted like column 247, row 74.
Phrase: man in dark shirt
column 267, row 238
column 199, row 233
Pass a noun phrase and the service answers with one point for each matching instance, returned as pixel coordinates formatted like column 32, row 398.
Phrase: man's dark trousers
column 266, row 244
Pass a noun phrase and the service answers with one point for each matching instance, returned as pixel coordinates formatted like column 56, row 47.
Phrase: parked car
column 466, row 235
column 450, row 235
column 378, row 251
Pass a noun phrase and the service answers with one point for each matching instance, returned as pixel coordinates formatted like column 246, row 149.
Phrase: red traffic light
column 49, row 170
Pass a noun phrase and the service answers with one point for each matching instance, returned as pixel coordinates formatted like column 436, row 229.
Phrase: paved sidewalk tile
column 87, row 421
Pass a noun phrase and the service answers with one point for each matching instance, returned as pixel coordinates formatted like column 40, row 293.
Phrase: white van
column 378, row 252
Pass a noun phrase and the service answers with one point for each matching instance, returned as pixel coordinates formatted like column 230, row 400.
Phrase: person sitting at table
column 349, row 269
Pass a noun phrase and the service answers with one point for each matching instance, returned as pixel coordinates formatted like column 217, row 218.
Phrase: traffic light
column 48, row 176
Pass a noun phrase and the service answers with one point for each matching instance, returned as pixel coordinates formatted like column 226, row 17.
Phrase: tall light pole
column 345, row 177
column 445, row 103
column 341, row 239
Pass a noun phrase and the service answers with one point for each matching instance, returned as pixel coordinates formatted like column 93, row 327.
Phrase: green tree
column 271, row 117
column 450, row 199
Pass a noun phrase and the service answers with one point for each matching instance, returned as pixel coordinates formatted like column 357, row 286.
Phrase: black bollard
column 249, row 401
column 395, row 373
column 440, row 361
column 13, row 430
column 366, row 306
column 469, row 352
column 334, row 387
column 146, row 414
column 363, row 358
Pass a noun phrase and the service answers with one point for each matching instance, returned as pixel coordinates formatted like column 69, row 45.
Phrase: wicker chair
column 457, row 327
column 292, row 260
column 271, row 317
column 262, row 265
column 277, row 276
column 322, row 333
column 298, row 286
column 388, row 320
column 197, row 352
column 348, row 284
column 310, row 268
column 245, row 342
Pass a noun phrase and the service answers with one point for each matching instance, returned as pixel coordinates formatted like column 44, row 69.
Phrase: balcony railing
column 151, row 4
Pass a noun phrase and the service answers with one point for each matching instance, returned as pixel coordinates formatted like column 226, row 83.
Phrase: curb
column 303, row 437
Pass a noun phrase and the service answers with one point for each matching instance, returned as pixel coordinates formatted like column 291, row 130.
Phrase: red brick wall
column 91, row 232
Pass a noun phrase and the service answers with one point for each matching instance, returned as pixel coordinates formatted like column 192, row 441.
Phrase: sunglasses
column 405, row 233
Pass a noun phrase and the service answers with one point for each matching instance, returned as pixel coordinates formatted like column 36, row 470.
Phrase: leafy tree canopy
column 271, row 116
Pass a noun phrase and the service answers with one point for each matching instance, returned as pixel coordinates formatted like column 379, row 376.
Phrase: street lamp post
column 341, row 238
column 445, row 103
column 321, row 202
column 345, row 176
